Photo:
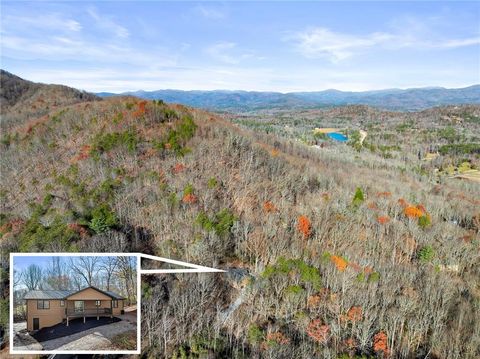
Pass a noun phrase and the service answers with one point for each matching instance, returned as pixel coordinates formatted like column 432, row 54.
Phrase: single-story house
column 50, row 307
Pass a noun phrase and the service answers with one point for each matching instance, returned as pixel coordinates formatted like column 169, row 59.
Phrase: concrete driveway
column 22, row 340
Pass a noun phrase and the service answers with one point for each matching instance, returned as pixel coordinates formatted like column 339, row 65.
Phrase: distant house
column 49, row 307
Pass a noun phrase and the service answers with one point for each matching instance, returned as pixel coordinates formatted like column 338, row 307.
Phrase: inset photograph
column 75, row 303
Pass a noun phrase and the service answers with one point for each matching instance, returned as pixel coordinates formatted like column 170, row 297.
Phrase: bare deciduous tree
column 126, row 270
column 86, row 268
column 17, row 278
column 56, row 274
column 32, row 277
column 108, row 265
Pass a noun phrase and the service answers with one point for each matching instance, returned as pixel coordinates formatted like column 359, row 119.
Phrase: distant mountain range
column 391, row 99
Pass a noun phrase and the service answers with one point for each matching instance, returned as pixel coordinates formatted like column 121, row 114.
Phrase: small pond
column 338, row 136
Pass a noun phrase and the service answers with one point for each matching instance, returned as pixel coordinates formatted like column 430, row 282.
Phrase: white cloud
column 321, row 42
column 449, row 44
column 221, row 51
column 52, row 21
column 184, row 46
column 59, row 38
column 210, row 12
column 229, row 53
column 59, row 48
column 108, row 24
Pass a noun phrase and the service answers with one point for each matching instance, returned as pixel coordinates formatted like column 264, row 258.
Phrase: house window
column 43, row 304
column 115, row 303
column 62, row 303
column 97, row 303
column 79, row 305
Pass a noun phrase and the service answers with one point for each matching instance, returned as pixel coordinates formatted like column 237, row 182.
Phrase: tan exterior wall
column 47, row 317
column 117, row 311
column 91, row 304
column 56, row 313
column 89, row 294
column 88, row 304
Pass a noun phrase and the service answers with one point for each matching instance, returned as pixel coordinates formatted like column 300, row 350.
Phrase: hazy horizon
column 287, row 92
column 247, row 90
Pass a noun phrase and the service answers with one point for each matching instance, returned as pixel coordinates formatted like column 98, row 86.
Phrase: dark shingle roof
column 63, row 294
column 47, row 294
column 114, row 295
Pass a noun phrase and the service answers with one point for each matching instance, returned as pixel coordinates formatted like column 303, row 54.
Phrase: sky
column 262, row 46
column 22, row 262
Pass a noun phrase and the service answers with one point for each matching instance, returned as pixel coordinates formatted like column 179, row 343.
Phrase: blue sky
column 269, row 46
column 22, row 262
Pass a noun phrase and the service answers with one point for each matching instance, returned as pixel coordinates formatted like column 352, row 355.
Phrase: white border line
column 191, row 268
column 139, row 304
column 164, row 271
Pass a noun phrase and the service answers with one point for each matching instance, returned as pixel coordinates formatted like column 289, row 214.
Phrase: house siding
column 92, row 294
column 89, row 304
column 56, row 313
column 47, row 317
column 89, row 294
column 117, row 311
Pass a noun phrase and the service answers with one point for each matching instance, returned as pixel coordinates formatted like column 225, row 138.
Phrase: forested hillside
column 21, row 99
column 327, row 254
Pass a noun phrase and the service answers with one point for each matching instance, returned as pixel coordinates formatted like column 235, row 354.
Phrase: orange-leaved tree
column 383, row 219
column 372, row 205
column 413, row 212
column 140, row 109
column 318, row 331
column 355, row 314
column 188, row 195
column 380, row 343
column 304, row 226
column 79, row 229
column 350, row 343
column 177, row 168
column 269, row 207
column 339, row 262
column 84, row 152
column 189, row 198
column 313, row 300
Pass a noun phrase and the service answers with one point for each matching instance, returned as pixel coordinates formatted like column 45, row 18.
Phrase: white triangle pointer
column 190, row 267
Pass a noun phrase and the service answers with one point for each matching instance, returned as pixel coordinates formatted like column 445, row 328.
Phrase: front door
column 79, row 306
column 36, row 323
